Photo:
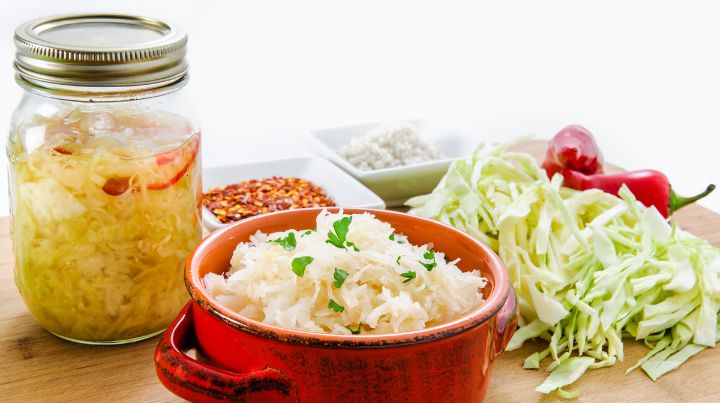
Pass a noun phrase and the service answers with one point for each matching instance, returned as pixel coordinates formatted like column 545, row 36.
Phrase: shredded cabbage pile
column 588, row 268
column 92, row 266
column 351, row 275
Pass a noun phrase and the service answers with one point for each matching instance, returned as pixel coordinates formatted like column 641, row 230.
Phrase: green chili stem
column 677, row 202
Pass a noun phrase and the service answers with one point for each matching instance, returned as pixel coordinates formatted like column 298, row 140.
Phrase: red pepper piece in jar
column 116, row 186
column 650, row 187
column 164, row 174
column 62, row 150
column 185, row 155
column 573, row 148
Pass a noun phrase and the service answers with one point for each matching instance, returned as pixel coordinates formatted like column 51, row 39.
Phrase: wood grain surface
column 36, row 366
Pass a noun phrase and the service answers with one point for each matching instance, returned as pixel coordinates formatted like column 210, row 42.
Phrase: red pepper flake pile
column 257, row 196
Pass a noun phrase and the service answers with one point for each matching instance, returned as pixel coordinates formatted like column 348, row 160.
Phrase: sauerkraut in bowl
column 105, row 209
column 352, row 274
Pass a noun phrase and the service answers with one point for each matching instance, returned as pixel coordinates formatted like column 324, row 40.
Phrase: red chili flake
column 257, row 196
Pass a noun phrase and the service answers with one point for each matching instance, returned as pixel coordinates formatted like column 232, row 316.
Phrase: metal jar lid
column 121, row 52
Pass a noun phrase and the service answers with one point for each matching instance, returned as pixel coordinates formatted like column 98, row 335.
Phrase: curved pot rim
column 489, row 308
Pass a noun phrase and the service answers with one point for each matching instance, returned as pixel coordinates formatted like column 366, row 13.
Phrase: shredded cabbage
column 92, row 266
column 367, row 280
column 588, row 268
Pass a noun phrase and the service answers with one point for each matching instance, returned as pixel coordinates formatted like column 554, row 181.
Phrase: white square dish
column 341, row 187
column 396, row 185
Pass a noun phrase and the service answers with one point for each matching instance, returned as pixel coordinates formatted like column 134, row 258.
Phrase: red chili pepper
column 574, row 148
column 650, row 187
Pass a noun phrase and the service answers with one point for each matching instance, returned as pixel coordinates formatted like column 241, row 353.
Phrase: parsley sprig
column 288, row 243
column 300, row 263
column 340, row 275
column 339, row 237
column 429, row 255
column 335, row 306
column 409, row 275
column 392, row 238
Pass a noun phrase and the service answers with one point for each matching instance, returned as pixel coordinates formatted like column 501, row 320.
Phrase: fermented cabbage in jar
column 106, row 207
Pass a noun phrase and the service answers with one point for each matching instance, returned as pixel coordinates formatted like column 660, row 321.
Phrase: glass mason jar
column 104, row 174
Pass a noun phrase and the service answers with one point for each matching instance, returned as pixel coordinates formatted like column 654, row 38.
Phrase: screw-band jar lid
column 100, row 50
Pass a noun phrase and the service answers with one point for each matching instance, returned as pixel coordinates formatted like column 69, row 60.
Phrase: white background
column 644, row 76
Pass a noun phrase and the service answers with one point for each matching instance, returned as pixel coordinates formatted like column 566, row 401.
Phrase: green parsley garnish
column 392, row 238
column 340, row 275
column 335, row 306
column 300, row 263
column 288, row 243
column 398, row 260
column 308, row 232
column 359, row 329
column 339, row 237
column 409, row 275
column 429, row 255
column 341, row 227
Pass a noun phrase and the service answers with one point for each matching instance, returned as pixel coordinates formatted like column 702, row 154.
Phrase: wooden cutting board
column 36, row 366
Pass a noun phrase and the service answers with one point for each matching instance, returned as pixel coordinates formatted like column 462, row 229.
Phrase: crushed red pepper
column 257, row 196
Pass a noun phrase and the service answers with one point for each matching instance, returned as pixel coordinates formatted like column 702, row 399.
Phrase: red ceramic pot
column 245, row 360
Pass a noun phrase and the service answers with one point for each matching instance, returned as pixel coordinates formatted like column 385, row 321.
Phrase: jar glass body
column 105, row 206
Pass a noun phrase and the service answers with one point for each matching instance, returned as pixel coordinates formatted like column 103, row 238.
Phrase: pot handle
column 199, row 381
column 507, row 319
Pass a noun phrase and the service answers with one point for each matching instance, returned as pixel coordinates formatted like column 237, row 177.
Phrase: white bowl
column 341, row 187
column 396, row 185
